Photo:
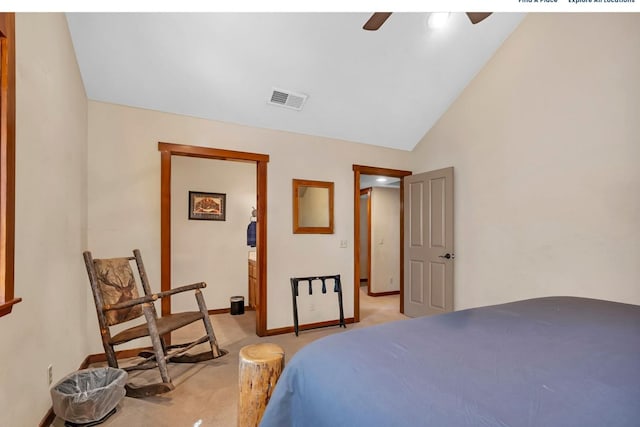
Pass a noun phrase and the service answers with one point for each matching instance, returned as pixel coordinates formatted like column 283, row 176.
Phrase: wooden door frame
column 372, row 170
column 167, row 150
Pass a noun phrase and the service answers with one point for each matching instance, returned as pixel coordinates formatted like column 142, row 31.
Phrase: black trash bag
column 88, row 395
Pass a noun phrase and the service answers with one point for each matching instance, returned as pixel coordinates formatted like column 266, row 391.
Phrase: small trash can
column 89, row 395
column 237, row 305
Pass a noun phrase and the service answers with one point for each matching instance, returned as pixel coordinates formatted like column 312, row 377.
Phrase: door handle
column 447, row 256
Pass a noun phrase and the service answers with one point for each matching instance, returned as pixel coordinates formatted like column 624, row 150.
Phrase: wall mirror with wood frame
column 312, row 207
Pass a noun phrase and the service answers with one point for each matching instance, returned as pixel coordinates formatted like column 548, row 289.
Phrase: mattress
column 556, row 361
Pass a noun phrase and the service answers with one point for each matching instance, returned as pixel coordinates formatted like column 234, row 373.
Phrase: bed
column 556, row 361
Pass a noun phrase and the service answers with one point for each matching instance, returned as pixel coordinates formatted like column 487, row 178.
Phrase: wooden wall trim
column 7, row 162
column 374, row 170
column 307, row 326
column 402, row 245
column 211, row 153
column 261, row 244
column 227, row 310
column 165, row 229
column 382, row 294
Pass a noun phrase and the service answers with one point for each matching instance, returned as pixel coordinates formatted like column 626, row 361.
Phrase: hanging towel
column 251, row 234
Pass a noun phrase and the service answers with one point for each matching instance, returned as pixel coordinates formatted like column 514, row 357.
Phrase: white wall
column 385, row 239
column 545, row 145
column 214, row 252
column 48, row 326
column 124, row 195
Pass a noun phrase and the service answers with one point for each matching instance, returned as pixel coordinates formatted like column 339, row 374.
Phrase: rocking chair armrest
column 153, row 297
column 130, row 303
column 180, row 289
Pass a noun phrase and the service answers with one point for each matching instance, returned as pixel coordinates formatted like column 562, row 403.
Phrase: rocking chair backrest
column 116, row 284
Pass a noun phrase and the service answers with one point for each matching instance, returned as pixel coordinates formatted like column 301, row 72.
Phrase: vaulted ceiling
column 385, row 87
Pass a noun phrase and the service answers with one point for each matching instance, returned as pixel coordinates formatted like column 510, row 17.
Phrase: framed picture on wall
column 207, row 206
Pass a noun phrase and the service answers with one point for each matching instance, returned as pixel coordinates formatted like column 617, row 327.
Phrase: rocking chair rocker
column 117, row 300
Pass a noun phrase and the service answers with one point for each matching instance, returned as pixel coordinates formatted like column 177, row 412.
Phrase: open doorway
column 378, row 233
column 260, row 161
column 211, row 209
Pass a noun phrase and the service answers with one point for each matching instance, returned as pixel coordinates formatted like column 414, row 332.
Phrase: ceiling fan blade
column 476, row 17
column 376, row 21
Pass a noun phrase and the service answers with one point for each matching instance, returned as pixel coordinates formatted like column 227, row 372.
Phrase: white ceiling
column 367, row 181
column 384, row 88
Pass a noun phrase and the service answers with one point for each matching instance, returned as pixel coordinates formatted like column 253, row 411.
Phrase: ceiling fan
column 378, row 18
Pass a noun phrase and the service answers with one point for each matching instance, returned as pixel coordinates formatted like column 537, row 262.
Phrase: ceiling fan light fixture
column 438, row 20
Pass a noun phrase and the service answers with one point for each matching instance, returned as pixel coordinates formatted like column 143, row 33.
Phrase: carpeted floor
column 206, row 394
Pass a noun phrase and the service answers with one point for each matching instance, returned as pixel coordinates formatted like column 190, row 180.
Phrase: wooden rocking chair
column 117, row 300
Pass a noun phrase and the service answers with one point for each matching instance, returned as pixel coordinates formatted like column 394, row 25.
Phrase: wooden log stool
column 260, row 368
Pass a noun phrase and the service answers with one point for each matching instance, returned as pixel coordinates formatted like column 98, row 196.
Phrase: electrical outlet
column 312, row 307
column 391, row 280
column 50, row 374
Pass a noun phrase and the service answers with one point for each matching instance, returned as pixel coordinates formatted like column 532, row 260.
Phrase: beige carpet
column 206, row 394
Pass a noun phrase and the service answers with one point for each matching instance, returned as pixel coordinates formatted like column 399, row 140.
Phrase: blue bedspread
column 559, row 361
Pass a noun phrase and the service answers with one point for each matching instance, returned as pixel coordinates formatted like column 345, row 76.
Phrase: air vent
column 287, row 99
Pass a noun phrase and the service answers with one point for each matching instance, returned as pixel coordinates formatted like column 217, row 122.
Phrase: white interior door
column 428, row 231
